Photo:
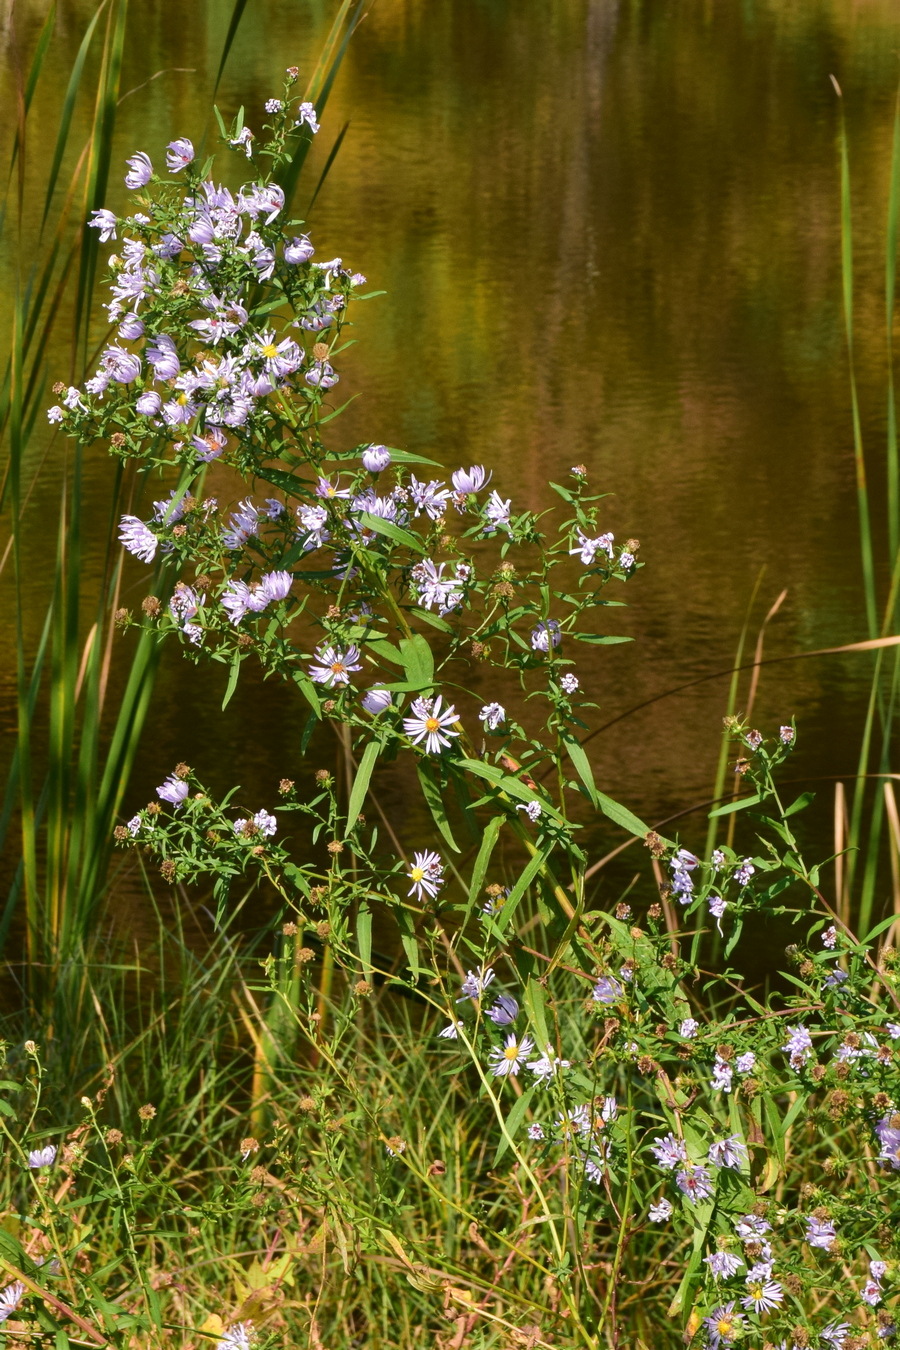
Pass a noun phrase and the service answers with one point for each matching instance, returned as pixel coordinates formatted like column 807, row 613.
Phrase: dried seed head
column 167, row 870
column 654, row 912
column 320, row 350
column 244, row 640
column 305, row 955
column 655, row 844
column 182, row 770
column 121, row 617
column 362, row 988
column 147, row 1112
column 289, row 929
column 120, row 833
column 335, row 846
column 323, row 929
column 306, row 1104
column 113, row 1137
column 151, row 606
column 285, row 786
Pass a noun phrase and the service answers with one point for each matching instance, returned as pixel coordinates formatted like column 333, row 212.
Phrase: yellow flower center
column 337, row 667
column 182, row 399
column 511, row 1052
column 270, row 349
column 432, row 724
column 417, row 874
column 725, row 1326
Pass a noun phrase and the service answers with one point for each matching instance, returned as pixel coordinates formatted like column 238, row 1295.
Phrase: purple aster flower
column 496, row 513
column 276, row 585
column 173, row 790
column 105, row 222
column 450, row 1033
column 121, row 365
column 695, row 1182
column 820, row 1233
column 306, row 117
column 762, row 1295
column 162, row 355
column 322, row 375
column 469, row 480
column 474, row 985
column 148, row 404
column 430, row 497
column 336, row 666
column 729, row 1152
column 744, row 872
column 835, row 1334
column 787, row 738
column 531, row 809
column 492, row 714
column 718, row 859
column 546, row 635
column 746, row 1062
column 243, row 525
column 506, row 1061
column 568, row 683
column 607, row 990
column 375, row 701
column 131, row 328
column 871, row 1293
column 723, row 1265
column 751, row 1227
column 504, row 1011
column 798, row 1046
column 179, row 154
column 549, row 1064
column 184, row 604
column 722, row 1075
column 689, row 1028
column 668, row 1151
column 140, row 171
column 266, row 824
column 829, row 937
column 243, row 138
column 724, row 1325
column 427, row 877
column 55, row 414
column 434, row 589
column 588, row 548
column 375, row 458
column 138, row 538
column 535, row 1129
column 429, row 723
column 661, row 1211
column 10, row 1297
column 42, row 1157
column 717, row 907
column 299, row 250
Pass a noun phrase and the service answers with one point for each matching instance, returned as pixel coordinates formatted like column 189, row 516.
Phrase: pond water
column 609, row 234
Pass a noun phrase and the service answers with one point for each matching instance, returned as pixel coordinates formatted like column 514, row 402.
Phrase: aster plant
column 646, row 1113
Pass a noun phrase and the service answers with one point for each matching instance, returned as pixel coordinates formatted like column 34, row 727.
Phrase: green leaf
column 511, row 902
column 364, row 938
column 418, row 661
column 801, row 803
column 361, row 781
column 483, row 857
column 620, row 815
column 600, row 639
column 534, row 999
column 391, row 531
column 513, row 787
column 730, row 807
column 232, row 679
column 513, row 1121
column 575, row 751
column 432, row 794
column 408, row 939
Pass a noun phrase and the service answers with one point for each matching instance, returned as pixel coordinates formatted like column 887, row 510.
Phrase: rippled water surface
column 609, row 233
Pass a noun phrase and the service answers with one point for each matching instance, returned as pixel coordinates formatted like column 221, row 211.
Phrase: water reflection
column 609, row 233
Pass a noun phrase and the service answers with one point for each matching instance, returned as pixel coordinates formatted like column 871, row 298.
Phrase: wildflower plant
column 655, row 1131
